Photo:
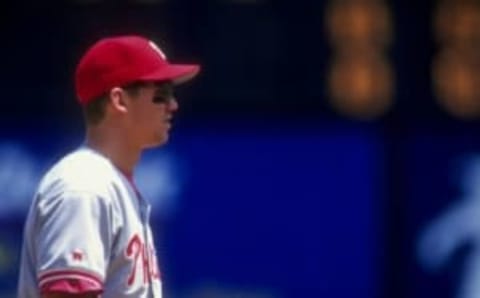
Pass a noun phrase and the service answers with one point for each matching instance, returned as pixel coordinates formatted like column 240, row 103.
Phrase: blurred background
column 328, row 148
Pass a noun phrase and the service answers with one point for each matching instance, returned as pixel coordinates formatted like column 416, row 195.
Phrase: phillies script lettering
column 143, row 258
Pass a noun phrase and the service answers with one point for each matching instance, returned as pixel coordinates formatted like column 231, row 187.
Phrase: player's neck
column 122, row 154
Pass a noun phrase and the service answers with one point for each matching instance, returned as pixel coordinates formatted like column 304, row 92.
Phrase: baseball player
column 87, row 232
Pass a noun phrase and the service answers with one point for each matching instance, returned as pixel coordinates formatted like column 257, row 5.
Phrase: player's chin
column 159, row 140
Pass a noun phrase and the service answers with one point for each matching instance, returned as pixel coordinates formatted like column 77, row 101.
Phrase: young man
column 87, row 233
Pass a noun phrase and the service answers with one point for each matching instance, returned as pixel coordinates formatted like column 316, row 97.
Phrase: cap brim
column 177, row 73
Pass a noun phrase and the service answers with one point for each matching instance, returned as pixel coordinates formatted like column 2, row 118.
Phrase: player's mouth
column 168, row 122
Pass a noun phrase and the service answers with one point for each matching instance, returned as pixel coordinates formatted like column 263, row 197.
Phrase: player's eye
column 163, row 94
column 161, row 99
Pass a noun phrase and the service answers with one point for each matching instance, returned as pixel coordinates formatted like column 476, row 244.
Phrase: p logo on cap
column 156, row 48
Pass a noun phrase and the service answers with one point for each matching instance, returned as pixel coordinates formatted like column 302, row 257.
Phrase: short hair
column 94, row 111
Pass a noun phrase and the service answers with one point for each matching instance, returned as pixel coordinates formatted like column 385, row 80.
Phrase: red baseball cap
column 117, row 61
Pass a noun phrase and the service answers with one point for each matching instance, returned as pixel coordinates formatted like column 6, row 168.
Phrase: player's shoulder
column 82, row 170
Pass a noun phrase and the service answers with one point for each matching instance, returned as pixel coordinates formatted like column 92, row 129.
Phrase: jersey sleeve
column 73, row 239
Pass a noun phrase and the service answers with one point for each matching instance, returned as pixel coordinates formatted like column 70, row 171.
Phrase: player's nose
column 173, row 104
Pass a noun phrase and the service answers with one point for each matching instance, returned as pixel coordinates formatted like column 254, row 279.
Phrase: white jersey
column 88, row 228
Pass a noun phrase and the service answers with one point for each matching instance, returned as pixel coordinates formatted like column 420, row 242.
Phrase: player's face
column 151, row 113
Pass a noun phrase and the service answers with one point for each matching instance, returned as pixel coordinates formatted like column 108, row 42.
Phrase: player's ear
column 117, row 99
